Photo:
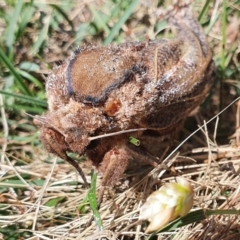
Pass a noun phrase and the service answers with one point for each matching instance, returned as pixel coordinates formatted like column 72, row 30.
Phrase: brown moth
column 99, row 94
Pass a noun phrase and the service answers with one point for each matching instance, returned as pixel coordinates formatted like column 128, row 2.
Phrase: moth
column 101, row 96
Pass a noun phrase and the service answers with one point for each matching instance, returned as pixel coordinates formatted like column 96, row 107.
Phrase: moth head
column 60, row 142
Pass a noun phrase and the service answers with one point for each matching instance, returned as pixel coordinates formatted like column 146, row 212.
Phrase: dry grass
column 42, row 197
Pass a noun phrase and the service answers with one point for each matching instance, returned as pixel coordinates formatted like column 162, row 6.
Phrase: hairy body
column 150, row 86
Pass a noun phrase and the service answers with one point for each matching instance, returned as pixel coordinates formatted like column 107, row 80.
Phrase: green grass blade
column 195, row 216
column 121, row 21
column 31, row 79
column 29, row 66
column 98, row 19
column 54, row 202
column 82, row 206
column 17, row 77
column 115, row 11
column 81, row 32
column 13, row 24
column 64, row 15
column 191, row 217
column 26, row 108
column 204, row 11
column 93, row 201
column 42, row 36
column 208, row 29
column 26, row 16
column 29, row 99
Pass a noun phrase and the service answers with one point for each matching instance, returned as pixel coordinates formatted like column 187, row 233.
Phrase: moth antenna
column 30, row 115
column 42, row 120
column 117, row 133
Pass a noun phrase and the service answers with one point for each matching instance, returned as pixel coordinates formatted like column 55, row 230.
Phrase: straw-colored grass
column 42, row 197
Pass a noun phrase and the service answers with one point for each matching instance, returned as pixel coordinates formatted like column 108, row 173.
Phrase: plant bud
column 172, row 200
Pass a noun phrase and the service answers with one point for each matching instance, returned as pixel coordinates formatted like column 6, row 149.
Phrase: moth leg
column 100, row 196
column 114, row 164
column 112, row 167
column 142, row 155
